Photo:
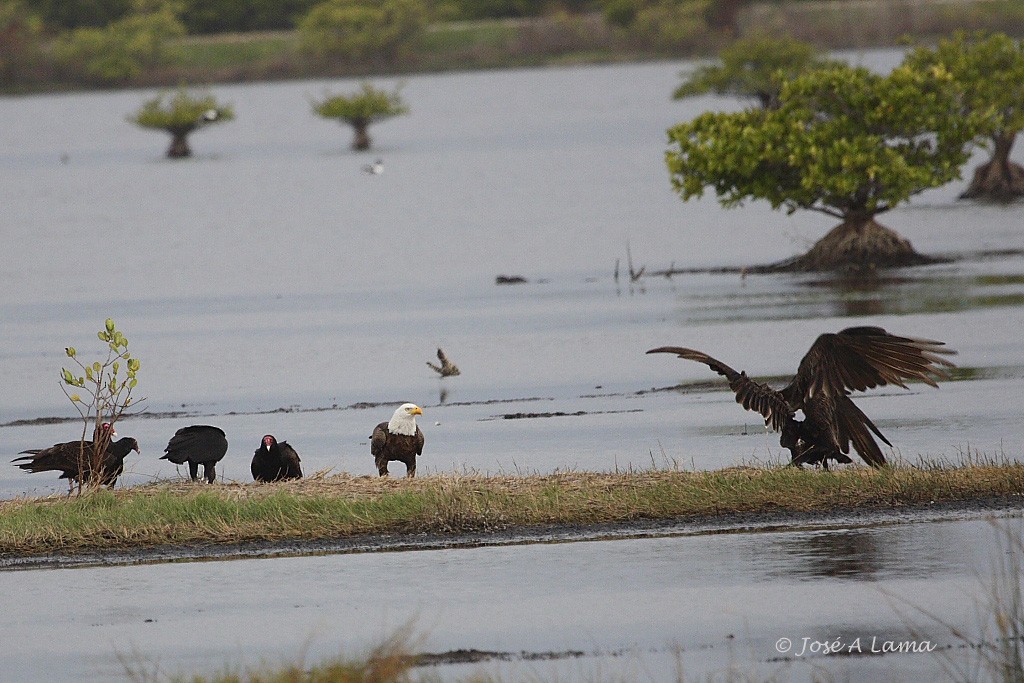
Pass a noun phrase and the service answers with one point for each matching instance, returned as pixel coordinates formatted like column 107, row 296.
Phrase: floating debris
column 510, row 280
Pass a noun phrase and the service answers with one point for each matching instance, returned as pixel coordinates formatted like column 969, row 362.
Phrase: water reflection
column 857, row 554
column 947, row 292
column 937, row 290
column 853, row 554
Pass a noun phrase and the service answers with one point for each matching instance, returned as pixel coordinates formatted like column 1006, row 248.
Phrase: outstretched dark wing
column 62, row 457
column 760, row 398
column 852, row 425
column 860, row 358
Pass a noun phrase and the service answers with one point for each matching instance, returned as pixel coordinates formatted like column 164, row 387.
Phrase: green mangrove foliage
column 361, row 109
column 661, row 24
column 180, row 114
column 843, row 141
column 123, row 49
column 101, row 392
column 755, row 66
column 20, row 39
column 358, row 30
column 990, row 72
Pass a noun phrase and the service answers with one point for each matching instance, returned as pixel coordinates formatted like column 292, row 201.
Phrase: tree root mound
column 998, row 182
column 854, row 247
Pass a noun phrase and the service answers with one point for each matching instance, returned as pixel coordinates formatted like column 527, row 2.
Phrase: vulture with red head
column 275, row 461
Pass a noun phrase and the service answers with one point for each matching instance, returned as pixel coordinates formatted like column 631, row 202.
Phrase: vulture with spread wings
column 854, row 359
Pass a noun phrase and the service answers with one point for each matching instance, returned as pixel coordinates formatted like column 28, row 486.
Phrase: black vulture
column 275, row 460
column 197, row 445
column 74, row 459
column 854, row 359
column 398, row 439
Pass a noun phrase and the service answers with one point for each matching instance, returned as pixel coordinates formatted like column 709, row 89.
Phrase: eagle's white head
column 404, row 419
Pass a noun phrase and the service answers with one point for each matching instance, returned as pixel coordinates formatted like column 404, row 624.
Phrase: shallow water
column 636, row 608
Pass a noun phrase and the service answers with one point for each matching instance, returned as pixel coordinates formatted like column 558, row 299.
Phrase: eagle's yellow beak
column 416, row 410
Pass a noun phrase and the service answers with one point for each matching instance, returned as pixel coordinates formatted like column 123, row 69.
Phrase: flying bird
column 854, row 359
column 398, row 439
column 197, row 445
column 275, row 461
column 74, row 459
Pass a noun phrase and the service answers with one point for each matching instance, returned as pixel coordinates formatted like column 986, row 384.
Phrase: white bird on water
column 376, row 168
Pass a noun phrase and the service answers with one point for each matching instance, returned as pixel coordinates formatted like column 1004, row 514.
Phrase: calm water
column 268, row 284
column 633, row 610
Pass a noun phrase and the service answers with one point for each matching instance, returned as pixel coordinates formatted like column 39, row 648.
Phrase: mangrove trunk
column 999, row 179
column 361, row 136
column 179, row 148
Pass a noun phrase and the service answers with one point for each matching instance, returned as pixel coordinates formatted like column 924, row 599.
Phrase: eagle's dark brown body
column 854, row 359
column 385, row 447
column 76, row 465
column 275, row 461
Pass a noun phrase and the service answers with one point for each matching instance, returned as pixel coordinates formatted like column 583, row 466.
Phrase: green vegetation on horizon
column 55, row 45
column 343, row 506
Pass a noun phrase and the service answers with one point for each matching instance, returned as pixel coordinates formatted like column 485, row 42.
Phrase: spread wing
column 860, row 358
column 760, row 398
column 61, row 456
column 852, row 425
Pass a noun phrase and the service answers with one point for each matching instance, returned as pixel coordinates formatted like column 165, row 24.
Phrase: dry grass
column 332, row 507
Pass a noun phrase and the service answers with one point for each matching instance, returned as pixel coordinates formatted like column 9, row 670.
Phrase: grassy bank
column 344, row 506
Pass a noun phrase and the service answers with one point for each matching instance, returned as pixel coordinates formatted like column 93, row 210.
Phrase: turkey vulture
column 197, row 445
column 854, row 359
column 398, row 439
column 72, row 461
column 275, row 460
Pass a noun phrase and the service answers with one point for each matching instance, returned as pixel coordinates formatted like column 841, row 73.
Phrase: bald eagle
column 398, row 439
column 854, row 359
column 73, row 463
column 197, row 445
column 275, row 461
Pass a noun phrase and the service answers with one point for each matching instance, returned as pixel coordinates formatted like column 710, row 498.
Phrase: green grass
column 466, row 36
column 232, row 50
column 344, row 506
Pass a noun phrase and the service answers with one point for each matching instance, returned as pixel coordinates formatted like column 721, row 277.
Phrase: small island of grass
column 328, row 508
